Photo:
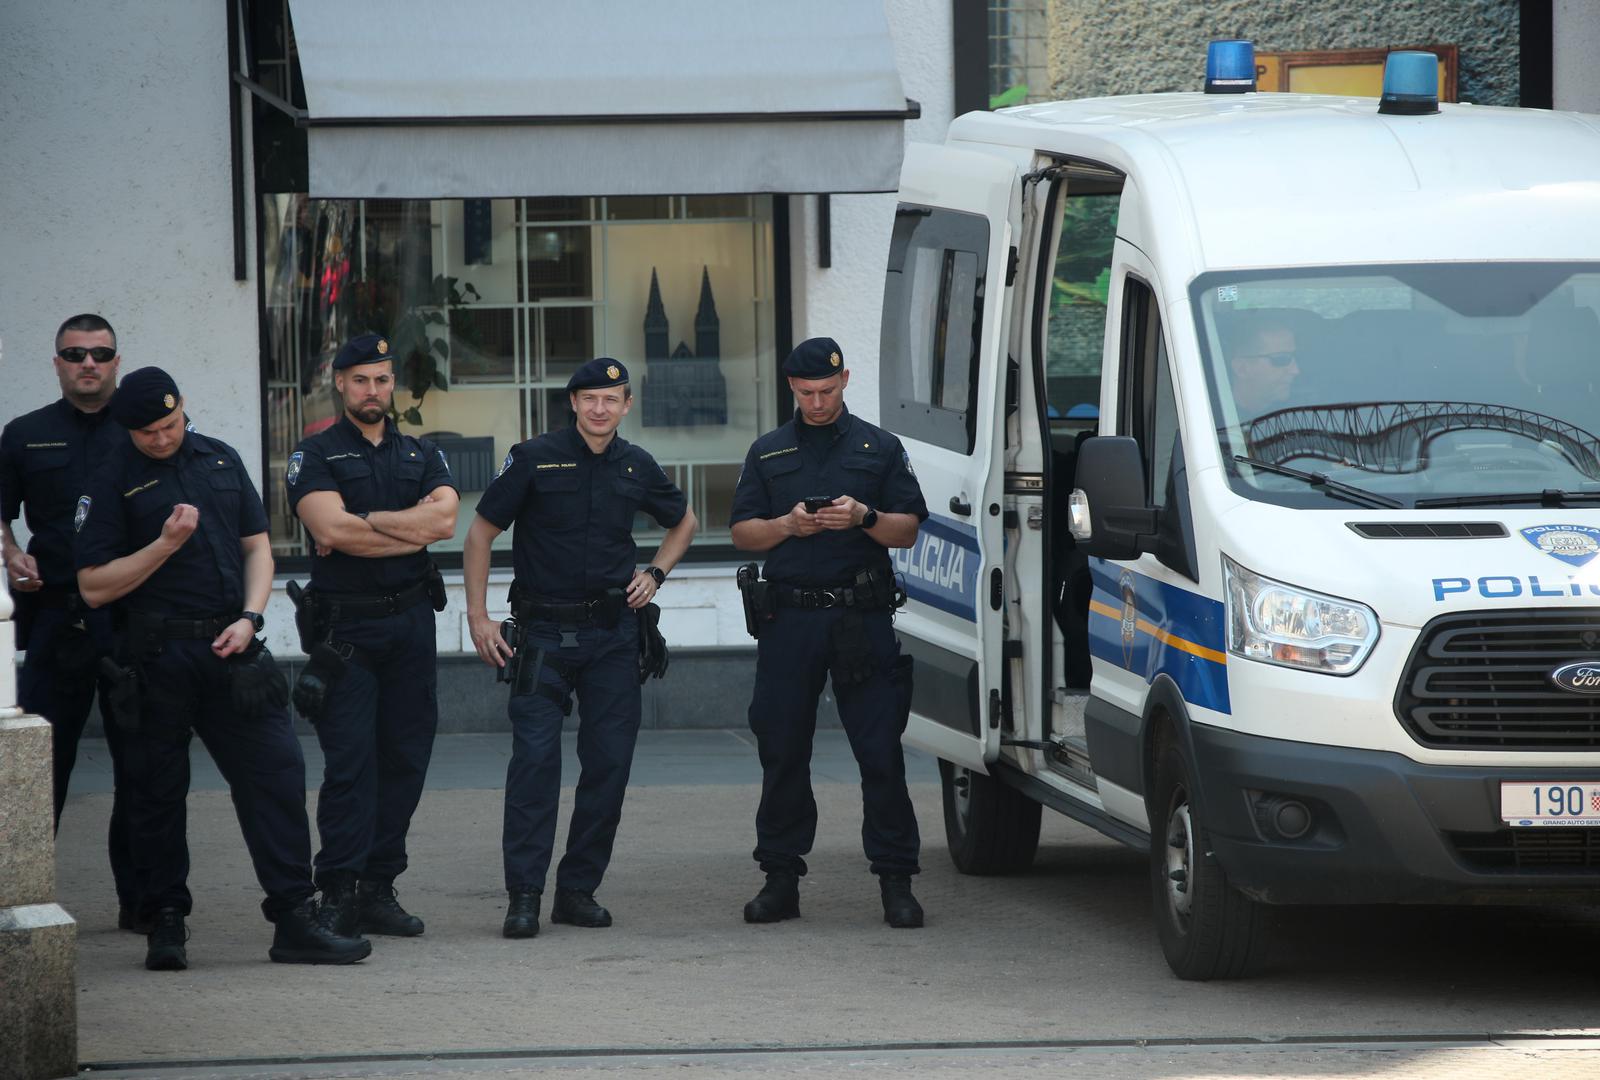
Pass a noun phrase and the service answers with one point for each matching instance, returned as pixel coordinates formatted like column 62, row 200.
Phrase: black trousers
column 63, row 693
column 603, row 671
column 377, row 740
column 792, row 657
column 187, row 693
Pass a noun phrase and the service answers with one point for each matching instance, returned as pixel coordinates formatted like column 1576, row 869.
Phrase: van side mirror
column 1108, row 514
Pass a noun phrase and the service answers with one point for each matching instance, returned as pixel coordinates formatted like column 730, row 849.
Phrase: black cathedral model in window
column 683, row 388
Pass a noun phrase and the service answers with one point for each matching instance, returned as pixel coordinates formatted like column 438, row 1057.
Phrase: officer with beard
column 372, row 499
column 46, row 458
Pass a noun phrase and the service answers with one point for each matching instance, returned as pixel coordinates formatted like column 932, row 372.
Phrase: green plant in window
column 419, row 334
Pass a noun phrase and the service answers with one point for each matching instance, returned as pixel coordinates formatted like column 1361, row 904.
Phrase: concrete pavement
column 1016, row 975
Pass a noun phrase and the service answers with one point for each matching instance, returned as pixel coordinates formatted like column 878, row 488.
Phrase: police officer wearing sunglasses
column 46, row 458
column 173, row 536
column 580, row 604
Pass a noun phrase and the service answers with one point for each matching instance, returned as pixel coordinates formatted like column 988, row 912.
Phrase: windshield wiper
column 1549, row 497
column 1324, row 483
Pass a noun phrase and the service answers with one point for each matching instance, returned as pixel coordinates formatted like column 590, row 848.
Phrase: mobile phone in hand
column 814, row 503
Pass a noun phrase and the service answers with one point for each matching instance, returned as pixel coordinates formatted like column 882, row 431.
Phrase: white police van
column 1261, row 435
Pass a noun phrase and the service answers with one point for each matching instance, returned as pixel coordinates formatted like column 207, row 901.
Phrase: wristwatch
column 869, row 519
column 257, row 619
column 656, row 572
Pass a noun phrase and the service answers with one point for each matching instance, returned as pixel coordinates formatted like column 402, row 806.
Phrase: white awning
column 499, row 98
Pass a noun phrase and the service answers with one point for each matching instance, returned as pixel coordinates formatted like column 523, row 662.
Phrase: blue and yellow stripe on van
column 1152, row 628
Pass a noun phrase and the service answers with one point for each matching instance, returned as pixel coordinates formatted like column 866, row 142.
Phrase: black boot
column 578, row 909
column 379, row 912
column 900, row 908
column 304, row 936
column 165, row 951
column 522, row 913
column 338, row 908
column 778, row 899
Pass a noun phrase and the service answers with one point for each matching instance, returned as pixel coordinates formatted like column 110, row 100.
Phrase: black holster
column 850, row 660
column 436, row 594
column 527, row 661
column 760, row 598
column 652, row 645
column 309, row 621
column 122, row 693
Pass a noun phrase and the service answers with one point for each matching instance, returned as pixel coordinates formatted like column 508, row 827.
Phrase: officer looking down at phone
column 583, row 623
column 826, row 496
column 173, row 535
column 372, row 499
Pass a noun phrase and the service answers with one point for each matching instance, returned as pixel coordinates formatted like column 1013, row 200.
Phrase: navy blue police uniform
column 572, row 512
column 816, row 579
column 381, row 715
column 46, row 459
column 165, row 628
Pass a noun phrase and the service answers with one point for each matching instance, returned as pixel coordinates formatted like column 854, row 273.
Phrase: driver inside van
column 1262, row 360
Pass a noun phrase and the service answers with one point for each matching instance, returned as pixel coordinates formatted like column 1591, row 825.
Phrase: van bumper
column 1382, row 828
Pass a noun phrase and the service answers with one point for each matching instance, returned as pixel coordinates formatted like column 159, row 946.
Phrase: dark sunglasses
column 1276, row 359
column 74, row 354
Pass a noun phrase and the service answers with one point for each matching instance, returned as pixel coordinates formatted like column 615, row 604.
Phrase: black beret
column 814, row 358
column 143, row 397
column 366, row 349
column 598, row 374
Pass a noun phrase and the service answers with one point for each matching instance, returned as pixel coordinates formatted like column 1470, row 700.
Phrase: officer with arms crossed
column 372, row 499
column 46, row 458
column 577, row 602
column 173, row 534
column 825, row 496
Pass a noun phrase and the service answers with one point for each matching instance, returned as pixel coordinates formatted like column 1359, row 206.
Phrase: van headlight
column 1280, row 624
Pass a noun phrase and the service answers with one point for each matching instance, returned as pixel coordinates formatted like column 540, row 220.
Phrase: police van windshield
column 1421, row 386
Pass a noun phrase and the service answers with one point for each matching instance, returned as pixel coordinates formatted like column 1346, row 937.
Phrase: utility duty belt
column 601, row 610
column 869, row 590
column 146, row 626
column 340, row 607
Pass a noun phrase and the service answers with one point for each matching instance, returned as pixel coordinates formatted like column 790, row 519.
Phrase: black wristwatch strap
column 869, row 519
column 656, row 572
column 257, row 620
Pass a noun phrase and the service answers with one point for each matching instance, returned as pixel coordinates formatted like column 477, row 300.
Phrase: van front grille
column 1482, row 681
column 1562, row 848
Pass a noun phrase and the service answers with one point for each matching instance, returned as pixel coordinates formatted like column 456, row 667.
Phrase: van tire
column 1208, row 929
column 990, row 828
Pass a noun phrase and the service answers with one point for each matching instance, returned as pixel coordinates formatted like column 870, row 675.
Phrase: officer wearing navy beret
column 372, row 499
column 833, row 597
column 570, row 496
column 172, row 534
column 46, row 458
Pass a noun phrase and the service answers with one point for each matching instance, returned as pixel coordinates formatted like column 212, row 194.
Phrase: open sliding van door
column 946, row 305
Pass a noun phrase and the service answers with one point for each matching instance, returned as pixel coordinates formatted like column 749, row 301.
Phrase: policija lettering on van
column 1506, row 586
column 941, row 568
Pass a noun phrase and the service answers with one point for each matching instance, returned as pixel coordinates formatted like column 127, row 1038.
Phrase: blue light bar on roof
column 1230, row 67
column 1410, row 84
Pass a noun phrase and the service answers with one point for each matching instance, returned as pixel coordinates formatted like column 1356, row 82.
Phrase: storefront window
column 493, row 303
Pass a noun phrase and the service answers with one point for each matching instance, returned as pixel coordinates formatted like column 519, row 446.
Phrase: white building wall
column 115, row 198
column 1575, row 41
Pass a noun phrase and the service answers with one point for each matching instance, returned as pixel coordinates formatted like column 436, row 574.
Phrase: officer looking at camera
column 372, row 500
column 826, row 496
column 174, row 536
column 46, row 458
column 582, row 625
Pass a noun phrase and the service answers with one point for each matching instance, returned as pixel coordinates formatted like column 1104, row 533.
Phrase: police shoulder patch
column 293, row 472
column 506, row 464
column 443, row 460
column 81, row 514
column 906, row 457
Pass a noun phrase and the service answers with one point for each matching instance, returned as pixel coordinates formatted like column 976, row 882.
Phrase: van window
column 1077, row 312
column 932, row 319
column 1438, row 382
column 1149, row 410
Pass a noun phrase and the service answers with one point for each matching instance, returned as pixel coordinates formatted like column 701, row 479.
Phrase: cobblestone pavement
column 1057, row 968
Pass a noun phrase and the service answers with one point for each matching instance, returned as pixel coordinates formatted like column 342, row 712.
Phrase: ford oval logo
column 1580, row 678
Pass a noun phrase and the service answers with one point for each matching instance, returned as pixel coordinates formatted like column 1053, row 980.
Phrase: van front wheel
column 1209, row 930
column 989, row 827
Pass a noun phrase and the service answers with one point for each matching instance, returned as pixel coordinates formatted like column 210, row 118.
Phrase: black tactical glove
column 258, row 685
column 323, row 668
column 652, row 646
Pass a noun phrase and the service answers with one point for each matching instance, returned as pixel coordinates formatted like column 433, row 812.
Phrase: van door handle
column 959, row 507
